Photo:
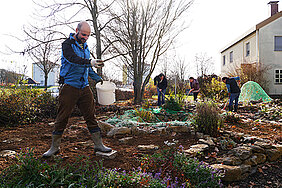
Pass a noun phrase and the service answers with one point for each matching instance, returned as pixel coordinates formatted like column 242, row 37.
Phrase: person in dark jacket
column 76, row 67
column 161, row 82
column 233, row 91
column 195, row 88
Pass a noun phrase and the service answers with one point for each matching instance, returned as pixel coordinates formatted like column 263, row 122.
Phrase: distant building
column 38, row 75
column 261, row 45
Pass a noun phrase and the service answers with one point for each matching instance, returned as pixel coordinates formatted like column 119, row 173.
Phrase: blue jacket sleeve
column 94, row 75
column 228, row 88
column 71, row 56
column 237, row 78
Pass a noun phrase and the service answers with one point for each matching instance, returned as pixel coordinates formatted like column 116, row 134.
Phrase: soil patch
column 38, row 136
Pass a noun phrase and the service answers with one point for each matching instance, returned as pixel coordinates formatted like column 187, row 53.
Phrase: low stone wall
column 243, row 153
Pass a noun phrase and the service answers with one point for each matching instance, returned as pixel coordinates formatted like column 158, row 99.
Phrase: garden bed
column 76, row 142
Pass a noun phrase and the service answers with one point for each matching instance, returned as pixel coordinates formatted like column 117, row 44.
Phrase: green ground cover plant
column 183, row 171
column 32, row 172
column 169, row 168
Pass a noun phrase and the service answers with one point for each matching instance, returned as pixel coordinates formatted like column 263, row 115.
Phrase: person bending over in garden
column 161, row 83
column 233, row 91
column 195, row 88
column 76, row 66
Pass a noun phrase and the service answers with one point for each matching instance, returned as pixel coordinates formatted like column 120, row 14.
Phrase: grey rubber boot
column 55, row 147
column 98, row 144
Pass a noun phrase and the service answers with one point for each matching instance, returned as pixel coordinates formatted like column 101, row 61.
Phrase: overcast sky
column 213, row 25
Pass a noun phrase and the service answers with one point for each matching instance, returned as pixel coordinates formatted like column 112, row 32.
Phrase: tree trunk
column 45, row 81
column 137, row 91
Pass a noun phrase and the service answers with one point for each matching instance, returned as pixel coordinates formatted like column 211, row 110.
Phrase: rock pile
column 240, row 153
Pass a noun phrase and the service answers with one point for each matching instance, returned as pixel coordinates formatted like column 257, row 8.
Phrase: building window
column 278, row 76
column 278, row 43
column 223, row 60
column 248, row 49
column 231, row 56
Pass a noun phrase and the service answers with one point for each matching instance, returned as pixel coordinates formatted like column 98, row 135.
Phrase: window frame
column 275, row 45
column 231, row 54
column 277, row 76
column 248, row 49
column 224, row 60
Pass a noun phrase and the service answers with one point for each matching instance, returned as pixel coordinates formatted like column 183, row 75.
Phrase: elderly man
column 76, row 66
column 233, row 91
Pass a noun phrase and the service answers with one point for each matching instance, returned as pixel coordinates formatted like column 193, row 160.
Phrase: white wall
column 270, row 58
column 239, row 55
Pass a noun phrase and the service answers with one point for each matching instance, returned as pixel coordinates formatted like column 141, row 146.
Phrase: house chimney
column 274, row 7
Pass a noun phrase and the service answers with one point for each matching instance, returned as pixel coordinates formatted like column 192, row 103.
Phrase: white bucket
column 106, row 93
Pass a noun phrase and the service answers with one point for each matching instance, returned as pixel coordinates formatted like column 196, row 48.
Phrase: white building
column 260, row 46
column 38, row 75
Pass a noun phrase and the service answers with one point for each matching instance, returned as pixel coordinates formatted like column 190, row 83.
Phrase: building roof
column 31, row 81
column 253, row 29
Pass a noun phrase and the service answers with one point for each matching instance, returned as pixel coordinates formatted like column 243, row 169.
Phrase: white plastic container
column 106, row 93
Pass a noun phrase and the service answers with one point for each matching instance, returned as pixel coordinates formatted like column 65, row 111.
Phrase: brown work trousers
column 68, row 98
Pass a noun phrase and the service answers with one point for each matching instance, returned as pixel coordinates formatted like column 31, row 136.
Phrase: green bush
column 24, row 106
column 212, row 87
column 172, row 104
column 207, row 118
column 216, row 90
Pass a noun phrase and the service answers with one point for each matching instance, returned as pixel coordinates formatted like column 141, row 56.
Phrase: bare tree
column 204, row 64
column 42, row 50
column 180, row 69
column 66, row 14
column 164, row 65
column 142, row 31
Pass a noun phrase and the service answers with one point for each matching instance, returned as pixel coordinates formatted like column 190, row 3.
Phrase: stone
column 125, row 140
column 251, row 161
column 147, row 147
column 272, row 154
column 208, row 141
column 161, row 130
column 233, row 173
column 278, row 147
column 119, row 131
column 251, row 139
column 7, row 153
column 12, row 140
column 261, row 158
column 234, row 161
column 110, row 155
column 87, row 143
column 194, row 150
column 201, row 146
column 199, row 135
column 138, row 131
column 105, row 127
column 242, row 152
column 178, row 129
column 257, row 149
column 263, row 144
